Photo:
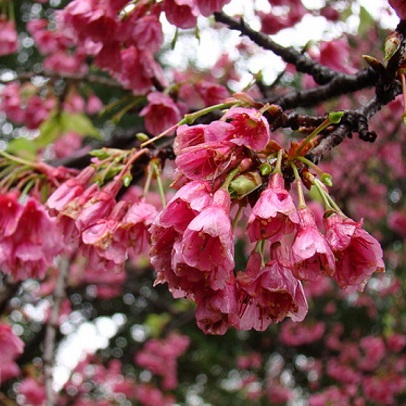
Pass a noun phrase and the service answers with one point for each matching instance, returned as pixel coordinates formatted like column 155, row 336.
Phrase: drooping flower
column 274, row 214
column 11, row 103
column 137, row 221
column 69, row 190
column 160, row 114
column 169, row 226
column 207, row 242
column 35, row 243
column 207, row 161
column 188, row 136
column 99, row 205
column 182, row 13
column 311, row 255
column 106, row 235
column 208, row 7
column 271, row 293
column 160, row 357
column 8, row 38
column 400, row 8
column 358, row 254
column 11, row 347
column 250, row 127
column 217, row 310
column 10, row 213
column 32, row 391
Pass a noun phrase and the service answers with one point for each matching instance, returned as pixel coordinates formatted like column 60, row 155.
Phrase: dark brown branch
column 321, row 74
column 340, row 85
column 91, row 78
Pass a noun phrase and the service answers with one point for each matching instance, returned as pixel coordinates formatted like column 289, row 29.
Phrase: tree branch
column 50, row 334
column 91, row 78
column 321, row 74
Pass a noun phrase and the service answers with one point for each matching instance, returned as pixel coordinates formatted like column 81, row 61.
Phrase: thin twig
column 52, row 325
column 91, row 78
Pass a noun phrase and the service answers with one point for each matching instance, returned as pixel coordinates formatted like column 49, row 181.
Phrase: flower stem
column 17, row 160
column 278, row 167
column 302, row 202
column 333, row 118
column 157, row 171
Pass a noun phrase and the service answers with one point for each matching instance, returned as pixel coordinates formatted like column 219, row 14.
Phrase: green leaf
column 157, row 322
column 60, row 123
column 23, row 148
column 365, row 21
column 49, row 131
column 80, row 124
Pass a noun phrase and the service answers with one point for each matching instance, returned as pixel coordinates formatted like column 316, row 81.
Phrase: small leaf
column 23, row 148
column 335, row 116
column 80, row 124
column 49, row 130
column 365, row 21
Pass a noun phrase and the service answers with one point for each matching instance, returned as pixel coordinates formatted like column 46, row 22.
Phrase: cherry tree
column 218, row 200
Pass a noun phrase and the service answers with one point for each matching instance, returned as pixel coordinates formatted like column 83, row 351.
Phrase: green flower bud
column 244, row 184
column 327, row 179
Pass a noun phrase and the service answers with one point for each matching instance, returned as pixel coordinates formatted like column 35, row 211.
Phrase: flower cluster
column 96, row 226
column 29, row 239
column 9, row 38
column 222, row 170
column 160, row 357
column 11, row 347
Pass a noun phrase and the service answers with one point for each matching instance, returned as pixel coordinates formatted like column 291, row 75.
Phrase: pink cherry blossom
column 182, row 13
column 33, row 245
column 69, row 190
column 37, row 111
column 138, row 69
column 160, row 114
column 217, row 310
column 358, row 254
column 250, row 127
column 8, row 39
column 68, row 145
column 311, row 255
column 208, row 7
column 297, row 334
column 335, row 54
column 160, row 357
column 144, row 32
column 93, row 105
column 274, row 214
column 65, row 63
column 400, row 8
column 188, row 136
column 11, row 103
column 32, row 391
column 137, row 221
column 10, row 213
column 397, row 222
column 206, row 161
column 271, row 293
column 211, row 93
column 207, row 242
column 169, row 226
column 11, row 347
column 107, row 235
column 99, row 205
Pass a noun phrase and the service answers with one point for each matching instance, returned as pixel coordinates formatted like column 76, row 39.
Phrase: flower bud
column 244, row 184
